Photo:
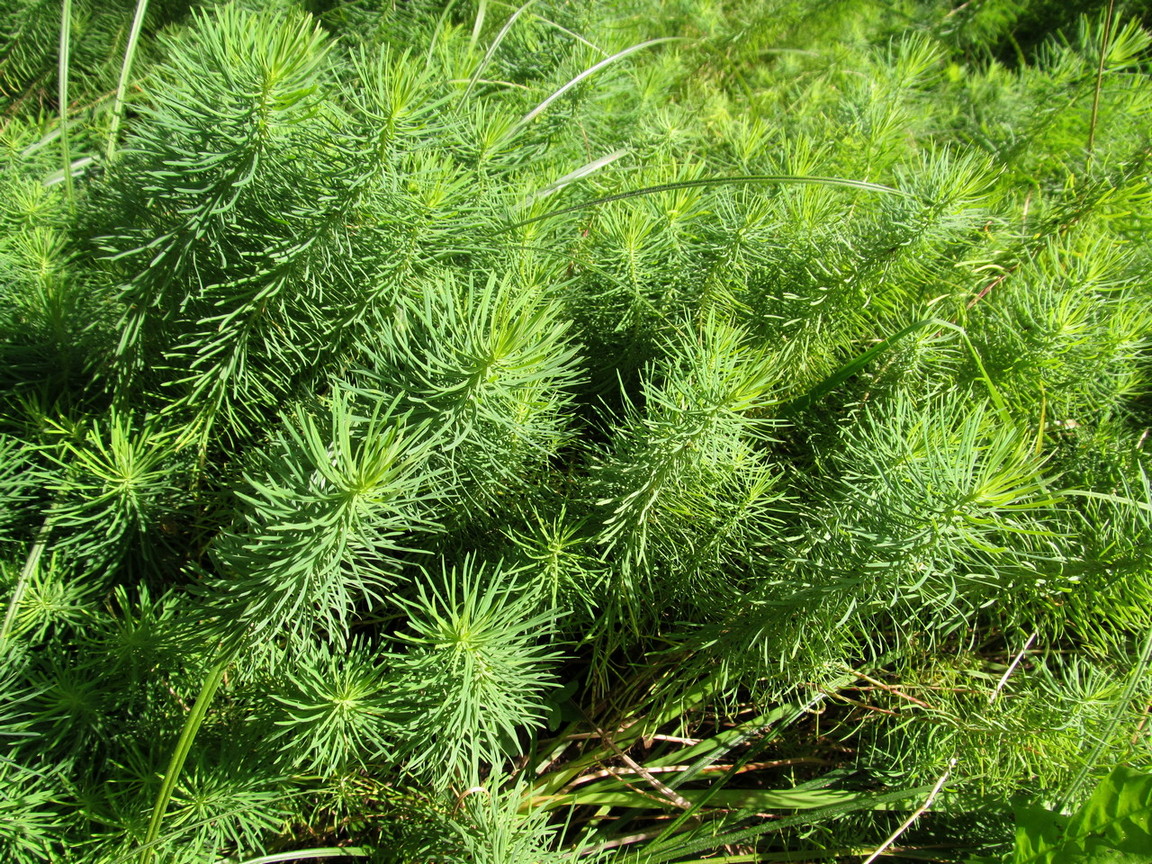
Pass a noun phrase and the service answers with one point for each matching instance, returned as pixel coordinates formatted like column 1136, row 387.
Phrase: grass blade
column 692, row 845
column 125, row 72
column 852, row 367
column 481, row 11
column 729, row 799
column 180, row 755
column 591, row 70
column 62, row 94
column 993, row 390
column 1139, row 671
column 30, row 565
column 310, row 854
column 494, row 47
column 579, row 174
column 863, row 185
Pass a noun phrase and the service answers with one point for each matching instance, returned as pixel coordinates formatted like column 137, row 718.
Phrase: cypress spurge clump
column 445, row 431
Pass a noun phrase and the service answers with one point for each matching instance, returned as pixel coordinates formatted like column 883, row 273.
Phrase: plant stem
column 916, row 814
column 1015, row 661
column 125, row 72
column 1134, row 679
column 180, row 754
column 303, row 854
column 1105, row 39
column 30, row 565
column 62, row 95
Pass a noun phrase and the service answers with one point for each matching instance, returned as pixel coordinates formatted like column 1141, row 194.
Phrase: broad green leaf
column 1118, row 816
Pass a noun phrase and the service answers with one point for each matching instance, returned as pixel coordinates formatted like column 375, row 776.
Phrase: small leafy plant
column 1112, row 825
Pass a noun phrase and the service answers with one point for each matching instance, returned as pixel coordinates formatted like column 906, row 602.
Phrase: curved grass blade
column 856, row 364
column 851, row 368
column 579, row 174
column 993, row 391
column 62, row 94
column 862, row 185
column 591, row 70
column 688, row 845
column 30, row 565
column 125, row 72
column 494, row 47
column 481, row 12
column 309, row 854
column 727, row 799
column 1136, row 676
column 179, row 756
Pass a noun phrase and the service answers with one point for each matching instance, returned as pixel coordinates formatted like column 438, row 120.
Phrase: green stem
column 481, row 9
column 30, row 565
column 1135, row 677
column 302, row 854
column 714, row 181
column 180, row 754
column 125, row 72
column 1105, row 39
column 62, row 94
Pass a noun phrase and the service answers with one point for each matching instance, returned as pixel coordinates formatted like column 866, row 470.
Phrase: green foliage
column 698, row 430
column 488, row 369
column 490, row 830
column 1115, row 824
column 27, row 821
column 18, row 481
column 325, row 507
column 335, row 709
column 117, row 481
column 474, row 672
column 684, row 491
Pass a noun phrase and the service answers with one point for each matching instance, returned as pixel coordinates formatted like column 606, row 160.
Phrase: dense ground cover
column 642, row 432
